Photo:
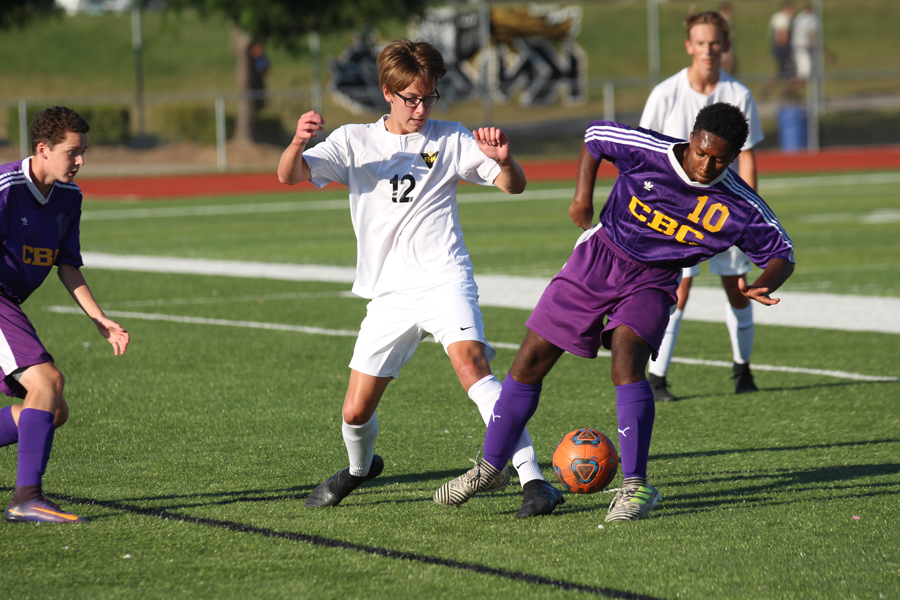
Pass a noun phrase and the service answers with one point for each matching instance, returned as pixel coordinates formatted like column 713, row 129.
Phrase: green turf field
column 192, row 455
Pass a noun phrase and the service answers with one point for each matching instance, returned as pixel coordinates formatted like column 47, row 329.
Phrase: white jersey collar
column 679, row 170
column 382, row 124
column 26, row 169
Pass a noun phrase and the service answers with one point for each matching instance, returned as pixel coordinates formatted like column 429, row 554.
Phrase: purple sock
column 9, row 433
column 636, row 410
column 516, row 404
column 35, row 440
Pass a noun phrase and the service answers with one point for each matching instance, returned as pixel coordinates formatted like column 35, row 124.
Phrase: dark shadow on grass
column 770, row 487
column 763, row 390
column 682, row 455
column 389, row 553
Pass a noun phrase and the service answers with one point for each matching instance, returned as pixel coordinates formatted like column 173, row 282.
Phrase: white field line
column 121, row 314
column 797, row 309
column 494, row 196
column 277, row 207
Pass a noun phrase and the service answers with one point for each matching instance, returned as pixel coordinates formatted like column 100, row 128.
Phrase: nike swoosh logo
column 56, row 514
column 464, row 328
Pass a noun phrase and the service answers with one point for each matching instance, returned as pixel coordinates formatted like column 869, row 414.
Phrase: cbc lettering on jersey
column 711, row 219
column 40, row 257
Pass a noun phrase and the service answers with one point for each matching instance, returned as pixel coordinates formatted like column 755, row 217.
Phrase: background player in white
column 412, row 262
column 671, row 109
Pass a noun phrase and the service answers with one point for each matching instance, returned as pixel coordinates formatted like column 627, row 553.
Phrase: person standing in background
column 780, row 40
column 671, row 109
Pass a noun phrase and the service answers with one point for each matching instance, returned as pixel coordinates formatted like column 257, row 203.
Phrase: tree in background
column 15, row 13
column 286, row 22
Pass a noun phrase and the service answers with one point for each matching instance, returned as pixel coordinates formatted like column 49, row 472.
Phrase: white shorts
column 731, row 262
column 395, row 323
column 803, row 63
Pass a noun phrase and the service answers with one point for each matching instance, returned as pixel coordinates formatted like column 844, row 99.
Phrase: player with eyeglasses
column 412, row 262
column 428, row 101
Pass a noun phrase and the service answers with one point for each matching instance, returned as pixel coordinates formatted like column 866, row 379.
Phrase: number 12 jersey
column 403, row 200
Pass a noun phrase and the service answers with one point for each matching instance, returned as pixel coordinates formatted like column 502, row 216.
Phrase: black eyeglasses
column 428, row 101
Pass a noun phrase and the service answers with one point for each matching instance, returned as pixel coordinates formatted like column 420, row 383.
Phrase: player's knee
column 357, row 411
column 55, row 382
column 44, row 379
column 357, row 415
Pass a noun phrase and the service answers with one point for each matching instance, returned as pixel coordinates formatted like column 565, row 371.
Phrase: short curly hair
column 724, row 120
column 402, row 62
column 51, row 125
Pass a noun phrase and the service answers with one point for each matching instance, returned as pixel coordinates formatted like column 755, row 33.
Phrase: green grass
column 200, row 430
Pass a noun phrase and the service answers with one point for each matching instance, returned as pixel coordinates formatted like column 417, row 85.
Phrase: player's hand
column 308, row 126
column 760, row 294
column 493, row 143
column 582, row 214
column 114, row 333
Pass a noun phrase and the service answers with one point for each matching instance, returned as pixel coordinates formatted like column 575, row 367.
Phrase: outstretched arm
column 747, row 167
column 114, row 333
column 582, row 209
column 292, row 168
column 776, row 273
column 495, row 145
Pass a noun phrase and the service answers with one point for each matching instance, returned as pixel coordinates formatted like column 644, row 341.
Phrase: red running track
column 768, row 162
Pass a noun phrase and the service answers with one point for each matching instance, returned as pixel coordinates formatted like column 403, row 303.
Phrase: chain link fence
column 195, row 132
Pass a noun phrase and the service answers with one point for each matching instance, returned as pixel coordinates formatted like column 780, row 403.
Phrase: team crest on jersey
column 430, row 158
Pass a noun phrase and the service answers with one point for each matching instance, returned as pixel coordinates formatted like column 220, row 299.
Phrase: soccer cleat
column 40, row 510
column 337, row 487
column 483, row 477
column 743, row 379
column 660, row 388
column 540, row 499
column 633, row 501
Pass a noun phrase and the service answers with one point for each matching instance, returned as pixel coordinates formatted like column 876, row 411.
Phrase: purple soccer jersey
column 661, row 218
column 35, row 233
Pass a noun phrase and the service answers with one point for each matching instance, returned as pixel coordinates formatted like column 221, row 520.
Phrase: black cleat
column 337, row 487
column 540, row 499
column 743, row 379
column 660, row 388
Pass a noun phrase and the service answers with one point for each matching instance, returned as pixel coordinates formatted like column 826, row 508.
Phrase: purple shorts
column 598, row 281
column 19, row 346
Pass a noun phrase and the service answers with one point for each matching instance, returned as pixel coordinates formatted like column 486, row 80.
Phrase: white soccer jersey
column 673, row 105
column 403, row 200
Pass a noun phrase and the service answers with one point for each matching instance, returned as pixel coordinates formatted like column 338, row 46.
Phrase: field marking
column 230, row 299
column 73, row 310
column 317, row 540
column 125, row 314
column 464, row 198
column 797, row 309
column 874, row 217
column 277, row 207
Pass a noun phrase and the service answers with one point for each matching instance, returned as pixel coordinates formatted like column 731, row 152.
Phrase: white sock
column 660, row 366
column 740, row 328
column 484, row 393
column 360, row 443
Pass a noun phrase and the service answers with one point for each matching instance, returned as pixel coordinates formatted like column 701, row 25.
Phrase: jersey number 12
column 401, row 190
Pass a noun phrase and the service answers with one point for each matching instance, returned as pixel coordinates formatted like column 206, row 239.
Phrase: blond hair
column 402, row 62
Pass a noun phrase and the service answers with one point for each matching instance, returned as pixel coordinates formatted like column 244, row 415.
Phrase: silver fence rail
column 190, row 132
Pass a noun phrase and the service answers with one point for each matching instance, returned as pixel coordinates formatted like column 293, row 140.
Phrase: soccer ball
column 585, row 461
